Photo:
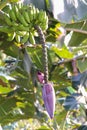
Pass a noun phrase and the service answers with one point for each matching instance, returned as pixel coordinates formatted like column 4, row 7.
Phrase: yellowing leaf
column 63, row 53
column 20, row 104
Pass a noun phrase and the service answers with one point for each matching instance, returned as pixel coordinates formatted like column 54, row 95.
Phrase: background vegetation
column 21, row 104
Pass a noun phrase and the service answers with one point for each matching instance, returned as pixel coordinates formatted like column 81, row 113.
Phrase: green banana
column 26, row 16
column 15, row 10
column 5, row 29
column 43, row 20
column 21, row 27
column 30, row 14
column 44, row 26
column 31, row 38
column 42, row 16
column 15, row 24
column 21, row 19
column 21, row 33
column 37, row 12
column 25, row 38
column 17, row 38
column 12, row 15
column 7, row 20
column 19, row 5
column 11, row 36
column 34, row 12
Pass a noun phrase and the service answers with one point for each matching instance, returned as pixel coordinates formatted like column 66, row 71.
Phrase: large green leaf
column 37, row 57
column 76, row 25
column 16, row 108
column 59, row 78
column 82, row 65
column 61, row 116
column 21, row 100
column 63, row 52
column 77, row 37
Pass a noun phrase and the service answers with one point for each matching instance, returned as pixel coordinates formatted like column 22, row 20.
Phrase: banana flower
column 40, row 77
column 48, row 95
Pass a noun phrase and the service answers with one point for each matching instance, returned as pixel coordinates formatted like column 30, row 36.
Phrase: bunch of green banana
column 20, row 21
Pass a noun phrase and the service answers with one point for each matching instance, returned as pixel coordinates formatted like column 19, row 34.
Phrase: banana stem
column 76, row 30
column 3, row 4
column 69, row 60
column 44, row 50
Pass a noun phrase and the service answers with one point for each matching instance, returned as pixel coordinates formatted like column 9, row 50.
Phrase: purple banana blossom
column 40, row 77
column 48, row 95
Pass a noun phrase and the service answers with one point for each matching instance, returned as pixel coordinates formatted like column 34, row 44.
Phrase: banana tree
column 31, row 40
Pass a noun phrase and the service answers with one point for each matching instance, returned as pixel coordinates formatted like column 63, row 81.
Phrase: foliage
column 21, row 57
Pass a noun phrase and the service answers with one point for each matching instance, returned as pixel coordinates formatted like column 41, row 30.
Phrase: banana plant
column 23, row 28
